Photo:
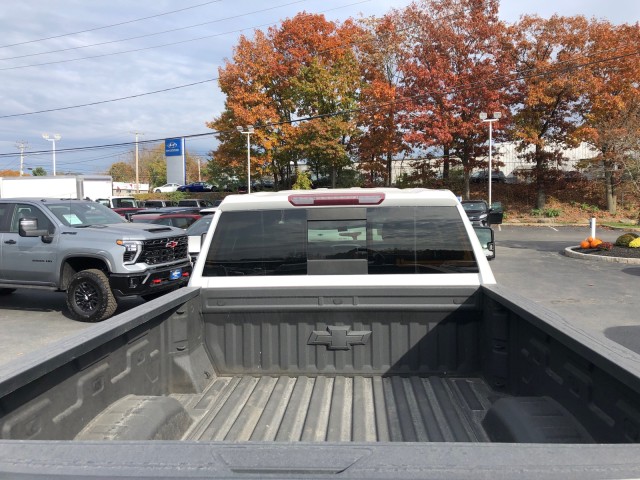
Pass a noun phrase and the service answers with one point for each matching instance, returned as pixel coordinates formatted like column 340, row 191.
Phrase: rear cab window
column 377, row 240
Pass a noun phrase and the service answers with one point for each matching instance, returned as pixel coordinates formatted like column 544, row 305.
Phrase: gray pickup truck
column 88, row 251
column 343, row 334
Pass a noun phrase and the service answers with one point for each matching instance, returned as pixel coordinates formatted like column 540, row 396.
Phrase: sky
column 56, row 55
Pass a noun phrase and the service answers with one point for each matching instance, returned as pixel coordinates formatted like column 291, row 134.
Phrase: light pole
column 21, row 145
column 137, row 175
column 496, row 117
column 52, row 138
column 247, row 132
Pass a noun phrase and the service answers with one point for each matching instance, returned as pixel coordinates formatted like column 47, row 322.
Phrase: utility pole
column 137, row 176
column 21, row 145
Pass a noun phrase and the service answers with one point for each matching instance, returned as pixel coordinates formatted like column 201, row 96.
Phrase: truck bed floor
column 339, row 408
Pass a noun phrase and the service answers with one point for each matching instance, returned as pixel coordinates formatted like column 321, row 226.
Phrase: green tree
column 303, row 181
column 39, row 172
column 122, row 172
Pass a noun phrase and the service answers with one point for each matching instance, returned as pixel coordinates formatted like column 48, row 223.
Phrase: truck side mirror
column 486, row 237
column 28, row 227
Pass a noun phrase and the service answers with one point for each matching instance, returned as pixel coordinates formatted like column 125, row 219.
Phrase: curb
column 583, row 256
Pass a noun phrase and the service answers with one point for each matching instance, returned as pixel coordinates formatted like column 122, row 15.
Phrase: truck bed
column 341, row 408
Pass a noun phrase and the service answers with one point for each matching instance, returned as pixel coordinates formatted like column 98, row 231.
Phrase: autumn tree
column 9, row 173
column 303, row 68
column 550, row 53
column 152, row 167
column 122, row 172
column 455, row 65
column 381, row 139
column 611, row 105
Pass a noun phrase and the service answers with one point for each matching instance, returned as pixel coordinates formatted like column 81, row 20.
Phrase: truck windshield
column 379, row 240
column 83, row 214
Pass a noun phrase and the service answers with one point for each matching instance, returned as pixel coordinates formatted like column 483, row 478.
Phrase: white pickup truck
column 328, row 334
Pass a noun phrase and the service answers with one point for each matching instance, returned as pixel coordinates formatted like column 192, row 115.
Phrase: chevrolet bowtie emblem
column 339, row 338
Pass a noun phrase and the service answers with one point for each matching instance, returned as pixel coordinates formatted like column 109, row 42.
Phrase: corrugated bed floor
column 339, row 408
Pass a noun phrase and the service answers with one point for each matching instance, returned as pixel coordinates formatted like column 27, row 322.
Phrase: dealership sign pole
column 176, row 169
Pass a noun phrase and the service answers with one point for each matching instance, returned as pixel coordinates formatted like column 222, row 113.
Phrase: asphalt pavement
column 598, row 296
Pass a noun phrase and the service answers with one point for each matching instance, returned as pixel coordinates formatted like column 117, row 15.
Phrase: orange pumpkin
column 585, row 244
column 590, row 239
column 595, row 242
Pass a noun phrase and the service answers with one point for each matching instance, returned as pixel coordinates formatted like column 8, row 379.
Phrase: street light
column 52, row 138
column 496, row 117
column 248, row 133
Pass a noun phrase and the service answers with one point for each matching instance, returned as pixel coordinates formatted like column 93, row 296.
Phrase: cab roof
column 341, row 197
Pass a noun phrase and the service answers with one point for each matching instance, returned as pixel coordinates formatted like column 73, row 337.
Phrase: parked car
column 195, row 232
column 197, row 187
column 173, row 218
column 158, row 203
column 480, row 214
column 166, row 188
column 497, row 176
column 196, row 203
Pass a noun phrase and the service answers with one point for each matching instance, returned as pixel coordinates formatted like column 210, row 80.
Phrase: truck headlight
column 132, row 250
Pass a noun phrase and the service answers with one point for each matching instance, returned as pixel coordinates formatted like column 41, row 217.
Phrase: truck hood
column 130, row 231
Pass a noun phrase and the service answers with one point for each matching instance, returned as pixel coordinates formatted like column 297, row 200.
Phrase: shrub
column 536, row 212
column 605, row 246
column 625, row 239
column 552, row 212
column 635, row 243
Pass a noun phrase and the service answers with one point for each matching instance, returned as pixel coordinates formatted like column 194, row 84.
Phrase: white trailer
column 60, row 186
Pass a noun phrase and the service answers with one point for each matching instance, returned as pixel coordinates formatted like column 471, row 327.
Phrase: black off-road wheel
column 89, row 297
column 7, row 291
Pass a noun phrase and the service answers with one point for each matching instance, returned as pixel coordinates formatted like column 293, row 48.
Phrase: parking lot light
column 496, row 117
column 247, row 132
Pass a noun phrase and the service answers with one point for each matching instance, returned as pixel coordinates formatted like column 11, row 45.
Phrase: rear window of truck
column 340, row 241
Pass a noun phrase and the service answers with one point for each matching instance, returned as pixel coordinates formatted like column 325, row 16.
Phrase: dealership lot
column 598, row 296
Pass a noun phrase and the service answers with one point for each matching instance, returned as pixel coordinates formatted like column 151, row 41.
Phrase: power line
column 19, row 67
column 495, row 80
column 149, row 35
column 109, row 26
column 110, row 100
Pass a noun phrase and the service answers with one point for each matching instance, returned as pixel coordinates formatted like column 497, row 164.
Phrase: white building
column 507, row 154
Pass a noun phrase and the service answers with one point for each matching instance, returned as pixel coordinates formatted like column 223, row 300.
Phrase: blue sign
column 173, row 147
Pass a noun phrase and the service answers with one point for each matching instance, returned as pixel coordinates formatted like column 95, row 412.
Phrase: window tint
column 392, row 240
column 271, row 242
column 81, row 214
column 30, row 211
column 201, row 226
column 6, row 210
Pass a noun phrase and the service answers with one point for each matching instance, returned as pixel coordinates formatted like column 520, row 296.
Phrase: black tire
column 7, row 291
column 89, row 298
column 157, row 190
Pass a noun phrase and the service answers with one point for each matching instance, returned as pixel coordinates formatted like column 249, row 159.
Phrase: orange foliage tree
column 303, row 68
column 611, row 106
column 455, row 65
column 550, row 53
column 381, row 139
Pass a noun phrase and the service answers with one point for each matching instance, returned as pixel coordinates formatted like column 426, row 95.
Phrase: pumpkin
column 585, row 244
column 590, row 239
column 595, row 242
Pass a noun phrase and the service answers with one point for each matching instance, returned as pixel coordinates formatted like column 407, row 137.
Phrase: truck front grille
column 165, row 250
